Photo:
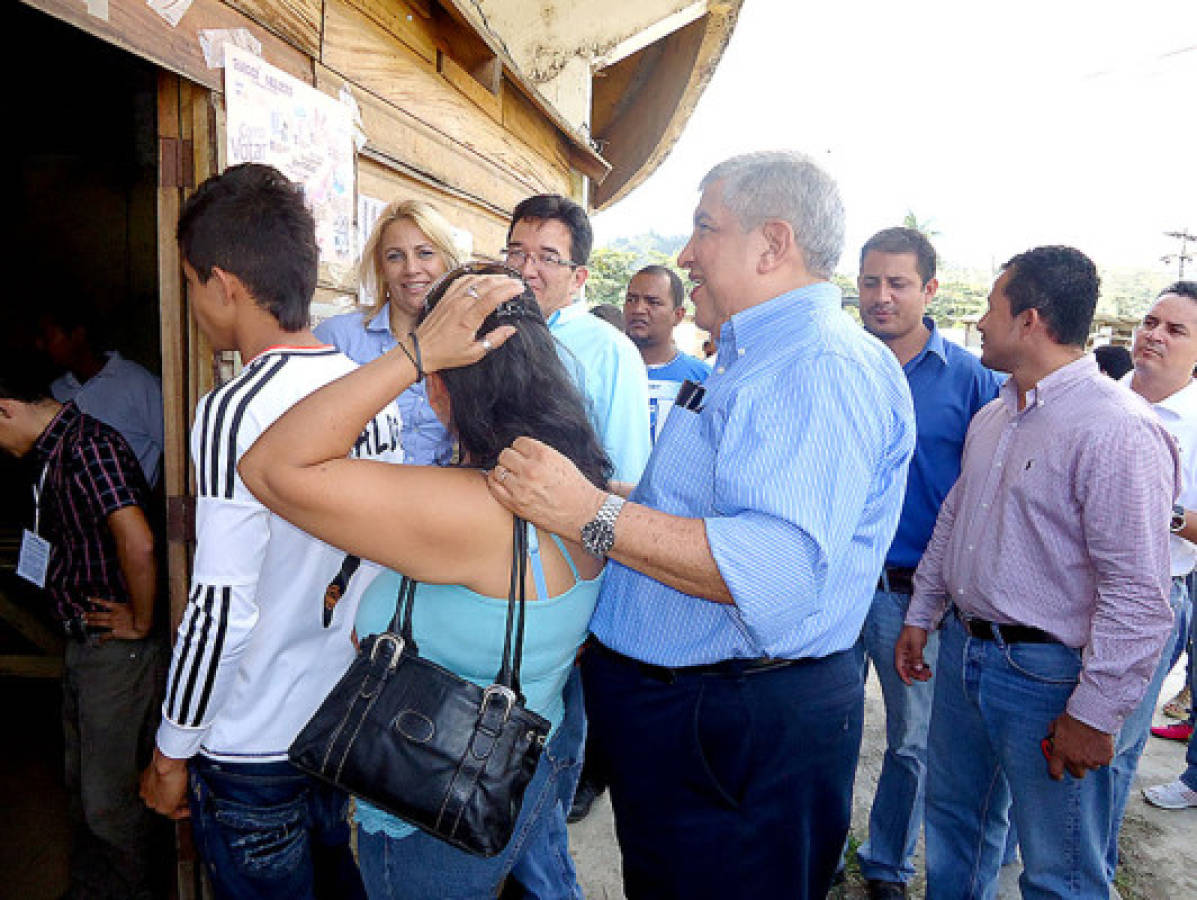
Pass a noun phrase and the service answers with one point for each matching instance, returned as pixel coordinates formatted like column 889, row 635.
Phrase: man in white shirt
column 1165, row 354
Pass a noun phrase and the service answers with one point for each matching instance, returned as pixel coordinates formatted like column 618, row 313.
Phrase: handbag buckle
column 506, row 694
column 390, row 639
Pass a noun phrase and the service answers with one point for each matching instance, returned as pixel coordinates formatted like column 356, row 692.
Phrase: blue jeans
column 728, row 785
column 897, row 813
column 422, row 866
column 1189, row 777
column 994, row 703
column 266, row 830
column 1135, row 729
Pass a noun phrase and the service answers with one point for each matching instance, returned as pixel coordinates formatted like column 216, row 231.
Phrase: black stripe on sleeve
column 192, row 611
column 231, row 451
column 193, row 673
column 226, row 599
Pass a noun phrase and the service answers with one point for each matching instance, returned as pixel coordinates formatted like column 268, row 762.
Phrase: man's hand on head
column 539, row 484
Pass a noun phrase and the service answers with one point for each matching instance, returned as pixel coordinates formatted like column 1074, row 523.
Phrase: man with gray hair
column 724, row 682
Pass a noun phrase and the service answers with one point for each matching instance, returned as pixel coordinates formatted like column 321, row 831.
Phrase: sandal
column 1178, row 706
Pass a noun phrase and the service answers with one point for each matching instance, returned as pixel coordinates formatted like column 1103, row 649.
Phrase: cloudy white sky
column 1008, row 124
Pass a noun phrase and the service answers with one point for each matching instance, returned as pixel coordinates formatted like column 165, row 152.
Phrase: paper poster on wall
column 308, row 136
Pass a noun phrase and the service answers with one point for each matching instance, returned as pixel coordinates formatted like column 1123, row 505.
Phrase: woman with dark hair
column 492, row 374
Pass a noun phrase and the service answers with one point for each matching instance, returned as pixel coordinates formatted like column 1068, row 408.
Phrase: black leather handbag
column 413, row 738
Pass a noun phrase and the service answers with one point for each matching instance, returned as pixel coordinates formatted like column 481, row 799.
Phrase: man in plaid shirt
column 101, row 577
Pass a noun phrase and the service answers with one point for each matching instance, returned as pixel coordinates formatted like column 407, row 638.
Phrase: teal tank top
column 463, row 631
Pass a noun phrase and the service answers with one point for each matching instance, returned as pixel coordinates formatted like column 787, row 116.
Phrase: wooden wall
column 442, row 118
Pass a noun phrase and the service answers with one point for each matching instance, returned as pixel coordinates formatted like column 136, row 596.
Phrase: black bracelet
column 415, row 360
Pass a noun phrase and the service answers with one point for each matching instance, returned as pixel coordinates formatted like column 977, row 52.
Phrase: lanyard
column 37, row 497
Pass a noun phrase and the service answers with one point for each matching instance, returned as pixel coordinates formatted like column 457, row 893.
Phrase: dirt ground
column 1159, row 847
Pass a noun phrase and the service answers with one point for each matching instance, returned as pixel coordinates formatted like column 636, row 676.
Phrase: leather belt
column 896, row 580
column 668, row 675
column 983, row 630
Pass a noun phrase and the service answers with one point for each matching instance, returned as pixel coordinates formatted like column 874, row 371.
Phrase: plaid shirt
column 90, row 473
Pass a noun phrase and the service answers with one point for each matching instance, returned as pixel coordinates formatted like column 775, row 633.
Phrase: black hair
column 68, row 311
column 1061, row 283
column 543, row 207
column 609, row 313
column 1181, row 289
column 677, row 290
column 1113, row 361
column 904, row 240
column 519, row 389
column 25, row 375
column 251, row 222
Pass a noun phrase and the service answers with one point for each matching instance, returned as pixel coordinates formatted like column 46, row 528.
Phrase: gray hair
column 787, row 186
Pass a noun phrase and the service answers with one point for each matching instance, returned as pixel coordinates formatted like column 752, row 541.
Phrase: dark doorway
column 80, row 157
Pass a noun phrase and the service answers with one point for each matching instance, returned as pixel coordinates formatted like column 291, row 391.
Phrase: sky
column 1006, row 124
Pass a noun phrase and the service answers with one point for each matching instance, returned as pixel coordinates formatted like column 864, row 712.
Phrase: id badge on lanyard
column 34, row 560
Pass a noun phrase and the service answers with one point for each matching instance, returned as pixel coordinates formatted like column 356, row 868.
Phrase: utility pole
column 1183, row 256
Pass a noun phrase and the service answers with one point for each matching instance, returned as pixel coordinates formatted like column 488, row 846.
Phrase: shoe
column 1176, row 795
column 885, row 890
column 1181, row 731
column 584, row 798
column 1178, row 706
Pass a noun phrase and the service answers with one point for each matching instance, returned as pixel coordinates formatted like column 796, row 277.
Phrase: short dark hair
column 1113, row 361
column 543, row 207
column 1181, row 288
column 1062, row 284
column 677, row 290
column 520, row 388
column 609, row 313
column 904, row 240
column 251, row 222
column 25, row 375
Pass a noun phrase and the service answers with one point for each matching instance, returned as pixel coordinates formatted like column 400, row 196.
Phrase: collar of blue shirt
column 934, row 345
column 568, row 313
column 381, row 320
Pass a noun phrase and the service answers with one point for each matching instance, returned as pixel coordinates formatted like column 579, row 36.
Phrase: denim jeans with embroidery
column 266, row 830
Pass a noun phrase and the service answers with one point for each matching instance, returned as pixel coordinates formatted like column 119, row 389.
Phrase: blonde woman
column 410, row 247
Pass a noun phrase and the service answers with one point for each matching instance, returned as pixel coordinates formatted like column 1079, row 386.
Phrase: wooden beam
column 295, row 21
column 30, row 627
column 31, row 666
column 134, row 26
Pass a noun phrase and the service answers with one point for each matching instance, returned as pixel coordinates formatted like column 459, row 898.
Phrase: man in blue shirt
column 653, row 306
column 549, row 243
column 948, row 384
column 724, row 687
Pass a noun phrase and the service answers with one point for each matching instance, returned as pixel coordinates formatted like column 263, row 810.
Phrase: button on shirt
column 610, row 372
column 1059, row 521
column 948, row 385
column 1179, row 415
column 797, row 463
column 426, row 442
column 90, row 474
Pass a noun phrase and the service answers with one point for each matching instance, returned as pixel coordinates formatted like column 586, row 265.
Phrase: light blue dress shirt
column 124, row 396
column 610, row 372
column 797, row 463
column 426, row 442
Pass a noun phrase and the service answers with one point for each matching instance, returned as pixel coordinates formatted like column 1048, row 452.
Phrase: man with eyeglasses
column 549, row 245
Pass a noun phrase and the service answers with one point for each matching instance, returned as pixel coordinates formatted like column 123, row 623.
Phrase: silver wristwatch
column 598, row 535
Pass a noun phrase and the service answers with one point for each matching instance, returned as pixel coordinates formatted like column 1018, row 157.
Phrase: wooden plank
column 295, row 21
column 134, row 26
column 31, row 666
column 173, row 341
column 453, row 73
column 403, row 20
column 374, row 60
column 489, row 229
column 30, row 627
column 399, row 136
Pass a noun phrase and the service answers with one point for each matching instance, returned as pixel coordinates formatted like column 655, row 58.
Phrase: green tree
column 926, row 227
column 610, row 272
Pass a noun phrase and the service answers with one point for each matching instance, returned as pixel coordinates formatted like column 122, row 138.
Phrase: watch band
column 598, row 535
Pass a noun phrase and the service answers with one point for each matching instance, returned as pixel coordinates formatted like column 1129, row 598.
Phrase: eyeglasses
column 522, row 307
column 515, row 257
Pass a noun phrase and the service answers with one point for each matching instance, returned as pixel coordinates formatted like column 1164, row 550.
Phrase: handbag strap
column 513, row 656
